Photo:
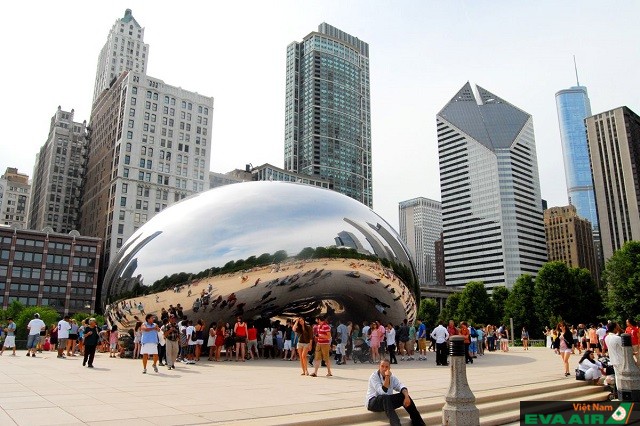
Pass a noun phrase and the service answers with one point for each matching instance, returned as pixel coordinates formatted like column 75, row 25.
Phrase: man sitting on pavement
column 380, row 396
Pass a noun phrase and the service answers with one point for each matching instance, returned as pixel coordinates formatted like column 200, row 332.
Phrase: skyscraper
column 149, row 145
column 149, row 148
column 15, row 191
column 328, row 111
column 570, row 239
column 420, row 228
column 124, row 50
column 573, row 107
column 58, row 175
column 614, row 149
column 491, row 206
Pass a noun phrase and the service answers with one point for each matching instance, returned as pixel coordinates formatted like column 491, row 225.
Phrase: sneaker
column 401, row 358
column 155, row 368
column 28, row 354
column 144, row 371
column 33, row 355
column 90, row 366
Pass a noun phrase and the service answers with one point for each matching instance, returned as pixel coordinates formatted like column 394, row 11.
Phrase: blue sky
column 421, row 53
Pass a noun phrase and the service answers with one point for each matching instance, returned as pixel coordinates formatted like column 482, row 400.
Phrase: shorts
column 322, row 352
column 10, row 342
column 252, row 344
column 241, row 339
column 302, row 346
column 62, row 342
column 73, row 336
column 149, row 349
column 341, row 349
column 113, row 346
column 200, row 342
column 32, row 341
column 287, row 345
column 422, row 344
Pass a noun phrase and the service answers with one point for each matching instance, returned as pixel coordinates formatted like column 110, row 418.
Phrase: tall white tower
column 420, row 228
column 125, row 49
column 491, row 207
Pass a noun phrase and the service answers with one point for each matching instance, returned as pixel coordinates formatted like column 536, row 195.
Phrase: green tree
column 48, row 315
column 588, row 300
column 474, row 305
column 519, row 305
column 622, row 277
column 12, row 311
column 498, row 299
column 279, row 256
column 554, row 293
column 428, row 311
column 450, row 310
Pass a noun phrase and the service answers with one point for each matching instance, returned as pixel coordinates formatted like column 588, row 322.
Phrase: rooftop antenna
column 576, row 68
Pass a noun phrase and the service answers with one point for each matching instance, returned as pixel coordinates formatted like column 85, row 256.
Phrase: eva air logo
column 621, row 415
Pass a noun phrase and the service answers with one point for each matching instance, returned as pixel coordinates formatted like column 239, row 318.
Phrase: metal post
column 459, row 408
column 628, row 374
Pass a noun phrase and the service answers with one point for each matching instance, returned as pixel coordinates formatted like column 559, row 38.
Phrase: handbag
column 580, row 374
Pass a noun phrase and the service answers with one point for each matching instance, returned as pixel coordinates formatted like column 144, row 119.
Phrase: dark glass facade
column 328, row 116
column 49, row 269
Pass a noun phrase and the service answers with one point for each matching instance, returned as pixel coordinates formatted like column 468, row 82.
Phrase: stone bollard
column 628, row 374
column 460, row 408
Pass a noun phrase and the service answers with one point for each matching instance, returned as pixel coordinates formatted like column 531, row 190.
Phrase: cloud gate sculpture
column 263, row 250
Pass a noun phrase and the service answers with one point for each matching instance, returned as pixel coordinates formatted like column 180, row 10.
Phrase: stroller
column 360, row 352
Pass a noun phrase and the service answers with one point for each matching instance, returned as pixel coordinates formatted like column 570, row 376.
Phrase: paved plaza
column 50, row 391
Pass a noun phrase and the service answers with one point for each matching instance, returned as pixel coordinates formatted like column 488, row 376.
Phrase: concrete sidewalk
column 50, row 391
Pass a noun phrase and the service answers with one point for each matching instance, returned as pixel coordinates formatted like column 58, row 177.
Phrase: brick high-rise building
column 570, row 239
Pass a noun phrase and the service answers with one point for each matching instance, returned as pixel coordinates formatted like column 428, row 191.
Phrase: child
column 113, row 342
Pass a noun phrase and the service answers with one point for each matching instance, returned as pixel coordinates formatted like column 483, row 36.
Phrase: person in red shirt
column 323, row 343
column 464, row 332
column 633, row 331
column 451, row 328
column 252, row 341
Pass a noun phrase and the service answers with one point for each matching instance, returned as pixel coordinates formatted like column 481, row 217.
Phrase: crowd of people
column 601, row 344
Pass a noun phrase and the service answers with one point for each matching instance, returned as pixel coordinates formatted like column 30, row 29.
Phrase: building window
column 123, row 201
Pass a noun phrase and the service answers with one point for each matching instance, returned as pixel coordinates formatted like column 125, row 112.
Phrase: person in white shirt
column 601, row 332
column 380, row 396
column 592, row 368
column 63, row 335
column 614, row 346
column 440, row 335
column 391, row 343
column 35, row 326
column 365, row 332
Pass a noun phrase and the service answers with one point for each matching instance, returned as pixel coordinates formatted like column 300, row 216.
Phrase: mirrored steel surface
column 264, row 250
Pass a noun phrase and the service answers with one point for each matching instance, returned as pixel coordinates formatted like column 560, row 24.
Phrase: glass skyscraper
column 573, row 107
column 328, row 111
